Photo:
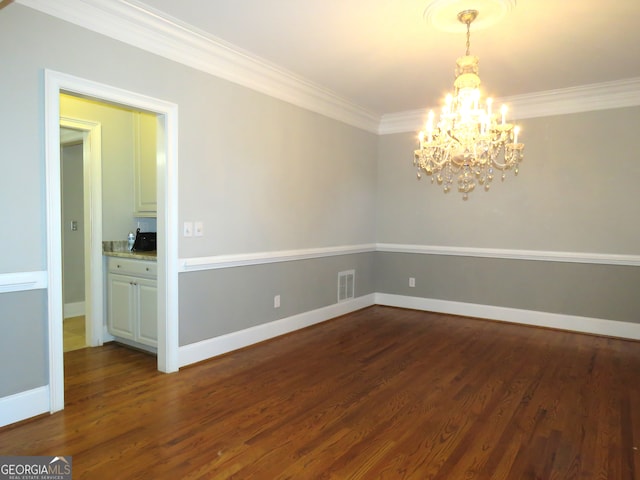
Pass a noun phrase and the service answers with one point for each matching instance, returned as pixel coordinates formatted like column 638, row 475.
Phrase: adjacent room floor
column 74, row 333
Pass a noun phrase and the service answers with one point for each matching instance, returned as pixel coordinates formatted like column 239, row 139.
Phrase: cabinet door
column 121, row 305
column 147, row 324
column 145, row 164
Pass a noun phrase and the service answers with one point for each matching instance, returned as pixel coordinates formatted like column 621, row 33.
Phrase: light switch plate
column 188, row 229
column 198, row 229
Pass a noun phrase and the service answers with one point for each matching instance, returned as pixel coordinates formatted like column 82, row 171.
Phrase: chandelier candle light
column 470, row 141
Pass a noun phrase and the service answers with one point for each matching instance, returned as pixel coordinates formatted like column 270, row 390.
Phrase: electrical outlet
column 412, row 282
column 276, row 301
column 188, row 229
column 198, row 229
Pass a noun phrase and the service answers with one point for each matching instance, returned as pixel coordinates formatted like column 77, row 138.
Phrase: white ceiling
column 383, row 55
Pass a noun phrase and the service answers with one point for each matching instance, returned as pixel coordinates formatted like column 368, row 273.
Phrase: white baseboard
column 106, row 335
column 212, row 347
column 136, row 345
column 23, row 405
column 75, row 309
column 597, row 326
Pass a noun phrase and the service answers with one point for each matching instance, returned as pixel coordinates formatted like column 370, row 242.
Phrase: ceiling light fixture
column 470, row 141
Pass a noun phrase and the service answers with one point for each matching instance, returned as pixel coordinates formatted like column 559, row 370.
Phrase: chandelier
column 471, row 142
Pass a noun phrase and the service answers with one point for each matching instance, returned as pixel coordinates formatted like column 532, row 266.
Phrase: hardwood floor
column 380, row 393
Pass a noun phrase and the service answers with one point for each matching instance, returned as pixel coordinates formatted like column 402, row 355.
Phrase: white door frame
column 167, row 114
column 92, row 192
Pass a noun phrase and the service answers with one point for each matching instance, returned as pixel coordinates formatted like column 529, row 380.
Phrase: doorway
column 167, row 143
column 73, row 232
column 81, row 233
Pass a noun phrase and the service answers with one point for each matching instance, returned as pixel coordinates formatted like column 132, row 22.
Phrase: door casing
column 167, row 220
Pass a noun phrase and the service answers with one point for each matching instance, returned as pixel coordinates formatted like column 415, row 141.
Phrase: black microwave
column 145, row 241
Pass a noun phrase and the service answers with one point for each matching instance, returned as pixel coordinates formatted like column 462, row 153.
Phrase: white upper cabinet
column 144, row 126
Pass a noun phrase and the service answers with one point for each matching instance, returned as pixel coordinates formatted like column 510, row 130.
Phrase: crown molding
column 585, row 98
column 136, row 24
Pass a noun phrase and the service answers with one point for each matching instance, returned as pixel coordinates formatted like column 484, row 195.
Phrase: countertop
column 119, row 248
column 139, row 255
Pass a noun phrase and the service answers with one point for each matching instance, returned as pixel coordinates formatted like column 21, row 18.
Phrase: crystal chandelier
column 470, row 142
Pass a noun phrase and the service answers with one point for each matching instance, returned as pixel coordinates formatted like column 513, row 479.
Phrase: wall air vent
column 346, row 285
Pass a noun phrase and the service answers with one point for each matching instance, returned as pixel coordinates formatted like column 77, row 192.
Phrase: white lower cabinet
column 132, row 308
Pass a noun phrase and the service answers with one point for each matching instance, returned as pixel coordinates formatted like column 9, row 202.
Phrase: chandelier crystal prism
column 470, row 143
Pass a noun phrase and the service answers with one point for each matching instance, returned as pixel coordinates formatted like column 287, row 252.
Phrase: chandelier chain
column 468, row 22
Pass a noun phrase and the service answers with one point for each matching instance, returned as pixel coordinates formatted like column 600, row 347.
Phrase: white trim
column 69, row 136
column 23, row 405
column 139, row 25
column 540, row 255
column 167, row 223
column 136, row 345
column 573, row 323
column 74, row 309
column 53, row 177
column 244, row 259
column 106, row 335
column 19, row 281
column 258, row 258
column 196, row 352
column 585, row 98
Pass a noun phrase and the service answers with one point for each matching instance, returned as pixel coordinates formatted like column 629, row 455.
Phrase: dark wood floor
column 380, row 393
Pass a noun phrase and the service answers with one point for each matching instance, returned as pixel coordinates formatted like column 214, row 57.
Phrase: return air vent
column 346, row 285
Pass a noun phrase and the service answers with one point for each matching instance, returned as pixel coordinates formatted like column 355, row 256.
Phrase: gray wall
column 216, row 302
column 264, row 175
column 23, row 344
column 576, row 192
column 595, row 291
column 72, row 210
